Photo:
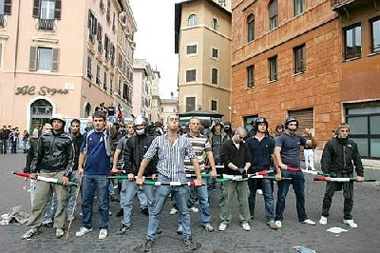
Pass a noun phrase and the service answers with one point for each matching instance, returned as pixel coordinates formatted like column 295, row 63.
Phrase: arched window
column 273, row 15
column 87, row 110
column 192, row 20
column 250, row 28
column 41, row 111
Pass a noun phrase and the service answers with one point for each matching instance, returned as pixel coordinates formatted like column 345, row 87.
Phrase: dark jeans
column 267, row 186
column 348, row 193
column 4, row 146
column 298, row 182
column 92, row 184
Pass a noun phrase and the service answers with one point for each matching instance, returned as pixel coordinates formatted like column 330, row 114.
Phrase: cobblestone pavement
column 234, row 239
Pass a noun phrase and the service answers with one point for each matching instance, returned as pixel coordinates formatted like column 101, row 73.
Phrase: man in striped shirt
column 202, row 148
column 172, row 150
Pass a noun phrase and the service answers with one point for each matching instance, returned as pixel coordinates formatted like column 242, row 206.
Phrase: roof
column 178, row 15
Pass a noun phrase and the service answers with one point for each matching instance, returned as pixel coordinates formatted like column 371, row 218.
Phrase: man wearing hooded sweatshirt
column 287, row 155
column 54, row 158
column 337, row 158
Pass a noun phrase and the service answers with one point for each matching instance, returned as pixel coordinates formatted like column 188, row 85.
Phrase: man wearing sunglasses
column 337, row 158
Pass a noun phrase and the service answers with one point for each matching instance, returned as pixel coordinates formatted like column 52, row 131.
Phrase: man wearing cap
column 287, row 155
column 54, row 158
column 261, row 146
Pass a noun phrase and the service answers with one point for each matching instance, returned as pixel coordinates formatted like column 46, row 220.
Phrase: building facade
column 316, row 60
column 203, row 44
column 156, row 100
column 168, row 107
column 143, row 78
column 57, row 57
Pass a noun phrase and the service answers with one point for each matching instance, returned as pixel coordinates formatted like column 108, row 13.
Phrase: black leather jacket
column 338, row 156
column 77, row 141
column 55, row 153
column 133, row 153
column 29, row 157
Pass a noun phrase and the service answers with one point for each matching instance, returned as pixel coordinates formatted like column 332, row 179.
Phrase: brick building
column 316, row 60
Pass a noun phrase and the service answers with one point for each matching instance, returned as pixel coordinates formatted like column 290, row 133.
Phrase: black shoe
column 114, row 199
column 148, row 246
column 48, row 225
column 123, row 229
column 190, row 244
column 145, row 211
column 120, row 213
column 158, row 231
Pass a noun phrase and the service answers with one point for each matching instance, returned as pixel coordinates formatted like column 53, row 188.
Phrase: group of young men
column 182, row 159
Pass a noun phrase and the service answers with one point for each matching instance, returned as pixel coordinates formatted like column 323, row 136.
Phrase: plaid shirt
column 171, row 156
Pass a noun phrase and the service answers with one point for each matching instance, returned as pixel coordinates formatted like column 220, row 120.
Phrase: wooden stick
column 75, row 204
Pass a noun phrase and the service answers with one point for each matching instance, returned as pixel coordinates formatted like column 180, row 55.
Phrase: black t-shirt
column 261, row 152
column 290, row 149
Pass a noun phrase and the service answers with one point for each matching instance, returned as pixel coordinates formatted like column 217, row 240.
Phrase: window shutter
column 58, row 7
column 54, row 67
column 7, row 7
column 1, row 53
column 36, row 8
column 33, row 59
column 89, row 20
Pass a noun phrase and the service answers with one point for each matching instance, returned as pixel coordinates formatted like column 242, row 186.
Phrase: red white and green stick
column 341, row 179
column 155, row 183
column 43, row 179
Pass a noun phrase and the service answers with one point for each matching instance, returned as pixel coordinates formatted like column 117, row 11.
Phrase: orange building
column 317, row 60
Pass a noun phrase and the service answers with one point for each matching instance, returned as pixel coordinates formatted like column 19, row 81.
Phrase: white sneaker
column 246, row 226
column 350, row 223
column 59, row 232
column 103, row 234
column 194, row 209
column 278, row 223
column 82, row 231
column 323, row 220
column 173, row 211
column 222, row 226
column 309, row 222
column 259, row 191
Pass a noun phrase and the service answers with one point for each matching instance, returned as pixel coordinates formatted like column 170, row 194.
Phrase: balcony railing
column 2, row 21
column 46, row 24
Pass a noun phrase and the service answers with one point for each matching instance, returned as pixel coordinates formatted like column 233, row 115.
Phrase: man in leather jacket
column 133, row 152
column 54, row 159
column 337, row 158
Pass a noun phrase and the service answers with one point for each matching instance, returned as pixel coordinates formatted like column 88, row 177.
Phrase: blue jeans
column 142, row 197
column 128, row 192
column 92, row 184
column 162, row 193
column 267, row 186
column 202, row 194
column 298, row 182
column 72, row 192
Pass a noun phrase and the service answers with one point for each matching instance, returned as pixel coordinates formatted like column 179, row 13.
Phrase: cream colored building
column 203, row 43
column 58, row 57
column 168, row 107
column 156, row 100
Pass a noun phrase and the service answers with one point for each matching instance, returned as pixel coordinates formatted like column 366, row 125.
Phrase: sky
column 155, row 40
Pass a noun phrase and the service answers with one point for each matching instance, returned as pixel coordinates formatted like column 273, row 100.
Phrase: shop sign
column 43, row 91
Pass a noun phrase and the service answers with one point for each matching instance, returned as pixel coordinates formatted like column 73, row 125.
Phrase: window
column 111, row 85
column 273, row 15
column 190, row 104
column 5, row 8
column 250, row 28
column 125, row 91
column 375, row 31
column 89, row 67
column 106, row 47
column 47, row 11
column 299, row 59
column 214, row 105
column 108, row 15
column 273, row 68
column 214, row 76
column 42, row 58
column 192, row 20
column 251, row 76
column 99, row 36
column 215, row 53
column 299, row 7
column 352, row 41
column 97, row 75
column 214, row 23
column 191, row 75
column 105, row 81
column 191, row 49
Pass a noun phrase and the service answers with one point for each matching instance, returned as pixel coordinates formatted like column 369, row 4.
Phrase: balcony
column 46, row 24
column 2, row 21
column 346, row 5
